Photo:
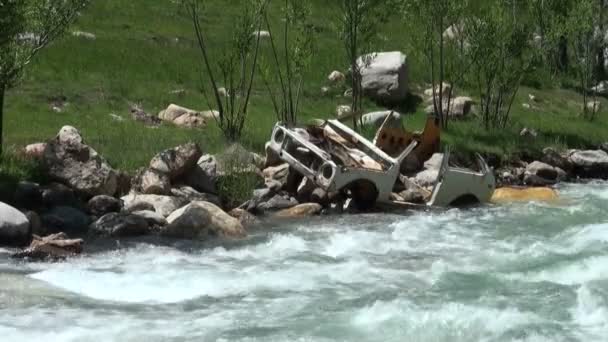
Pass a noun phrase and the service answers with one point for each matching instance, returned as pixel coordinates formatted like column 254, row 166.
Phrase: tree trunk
column 2, row 91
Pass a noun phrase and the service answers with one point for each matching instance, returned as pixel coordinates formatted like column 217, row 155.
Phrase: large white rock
column 384, row 76
column 197, row 220
column 164, row 205
column 14, row 226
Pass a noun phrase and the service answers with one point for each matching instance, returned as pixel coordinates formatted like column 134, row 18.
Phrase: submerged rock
column 120, row 225
column 102, row 204
column 56, row 247
column 300, row 210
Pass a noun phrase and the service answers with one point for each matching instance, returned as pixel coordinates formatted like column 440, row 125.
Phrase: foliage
column 285, row 69
column 502, row 52
column 358, row 22
column 27, row 27
column 237, row 65
column 443, row 43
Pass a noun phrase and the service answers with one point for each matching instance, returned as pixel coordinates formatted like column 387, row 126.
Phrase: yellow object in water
column 510, row 195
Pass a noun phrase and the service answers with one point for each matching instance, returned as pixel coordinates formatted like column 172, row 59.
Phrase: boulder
column 191, row 120
column 56, row 194
column 103, row 204
column 279, row 174
column 66, row 219
column 70, row 161
column 336, row 77
column 124, row 181
column 591, row 164
column 272, row 158
column 54, row 247
column 35, row 151
column 300, row 210
column 384, row 76
column 446, row 91
column 542, row 174
column 343, row 111
column 203, row 177
column 554, row 158
column 153, row 218
column 139, row 206
column 174, row 111
column 245, row 218
column 163, row 205
column 199, row 219
column 120, row 225
column 176, row 162
column 459, row 107
column 191, row 195
column 14, row 226
column 28, row 195
column 376, row 119
column 153, row 182
column 36, row 226
column 277, row 202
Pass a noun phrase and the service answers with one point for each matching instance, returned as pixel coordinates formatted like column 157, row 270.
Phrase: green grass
column 145, row 49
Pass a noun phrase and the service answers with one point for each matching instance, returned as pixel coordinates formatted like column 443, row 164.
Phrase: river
column 525, row 272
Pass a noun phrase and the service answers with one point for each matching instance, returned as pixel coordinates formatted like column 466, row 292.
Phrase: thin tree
column 358, row 22
column 290, row 57
column 236, row 67
column 445, row 56
column 26, row 28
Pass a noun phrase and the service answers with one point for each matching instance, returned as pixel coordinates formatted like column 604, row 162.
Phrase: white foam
column 590, row 314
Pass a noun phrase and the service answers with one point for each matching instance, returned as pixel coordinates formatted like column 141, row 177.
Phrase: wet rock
column 28, row 195
column 591, row 164
column 54, row 247
column 300, row 210
column 120, row 225
column 70, row 161
column 177, row 161
column 384, row 76
column 191, row 195
column 200, row 219
column 66, row 219
column 103, row 204
column 541, row 174
column 277, row 202
column 154, row 219
column 14, row 226
column 56, row 194
column 203, row 176
column 245, row 218
column 163, row 205
column 36, row 226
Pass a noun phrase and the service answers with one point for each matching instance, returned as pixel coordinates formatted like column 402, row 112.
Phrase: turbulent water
column 530, row 272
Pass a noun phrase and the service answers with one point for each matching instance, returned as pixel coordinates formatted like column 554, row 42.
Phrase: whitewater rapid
column 525, row 272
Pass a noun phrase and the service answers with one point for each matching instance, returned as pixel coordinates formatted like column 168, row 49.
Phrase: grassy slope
column 145, row 49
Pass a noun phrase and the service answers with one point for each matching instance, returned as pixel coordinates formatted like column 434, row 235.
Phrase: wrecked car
column 339, row 160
